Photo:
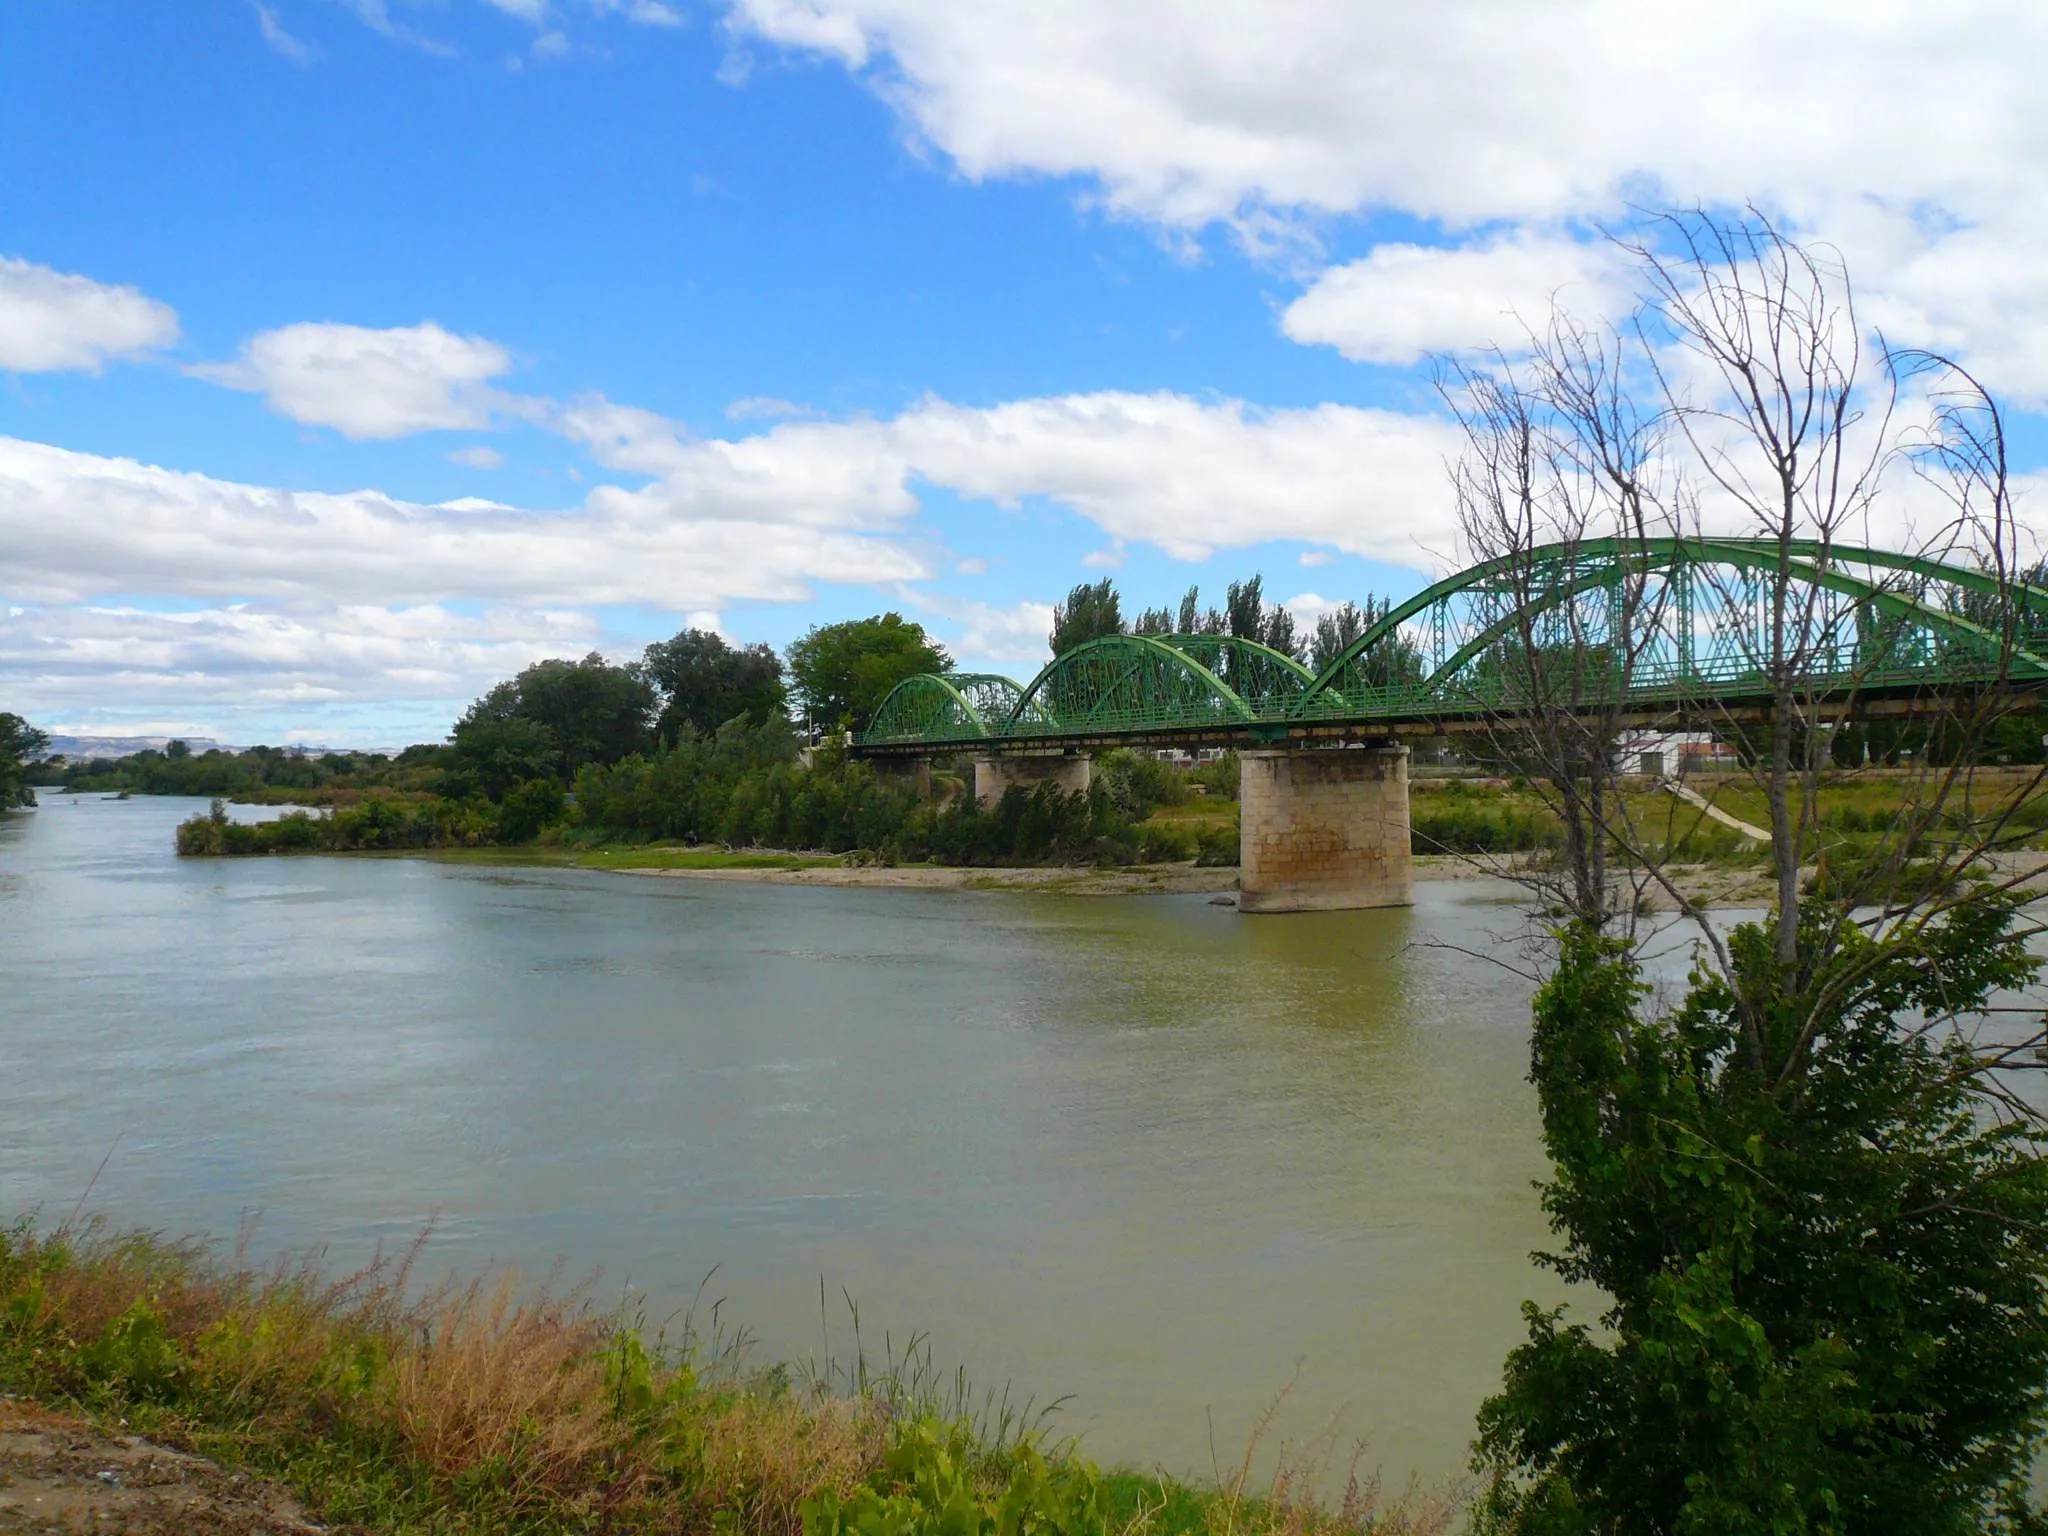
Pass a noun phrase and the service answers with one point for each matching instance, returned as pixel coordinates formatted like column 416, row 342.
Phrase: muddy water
column 1144, row 1152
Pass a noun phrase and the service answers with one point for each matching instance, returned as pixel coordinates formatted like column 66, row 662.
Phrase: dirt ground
column 61, row 1475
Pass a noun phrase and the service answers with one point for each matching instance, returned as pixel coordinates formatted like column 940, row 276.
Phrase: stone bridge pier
column 993, row 775
column 1324, row 828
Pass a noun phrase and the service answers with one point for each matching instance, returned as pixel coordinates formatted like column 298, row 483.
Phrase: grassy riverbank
column 392, row 1407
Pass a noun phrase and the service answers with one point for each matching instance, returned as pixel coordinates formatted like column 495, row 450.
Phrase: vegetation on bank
column 396, row 1408
column 20, row 744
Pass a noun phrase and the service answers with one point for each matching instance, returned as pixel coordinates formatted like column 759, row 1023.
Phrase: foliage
column 1138, row 783
column 840, row 673
column 493, row 751
column 1245, row 615
column 927, row 1486
column 1219, row 776
column 706, row 682
column 1091, row 611
column 378, row 822
column 742, row 788
column 480, row 1407
column 273, row 774
column 1393, row 660
column 551, row 720
column 20, row 743
column 1828, row 1269
column 1457, row 818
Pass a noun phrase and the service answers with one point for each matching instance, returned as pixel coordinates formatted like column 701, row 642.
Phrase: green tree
column 1091, row 611
column 842, row 672
column 587, row 711
column 20, row 744
column 1392, row 660
column 706, row 682
column 1827, row 1269
column 1807, row 1186
column 493, row 750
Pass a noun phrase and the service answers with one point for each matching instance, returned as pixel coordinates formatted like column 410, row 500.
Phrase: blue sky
column 354, row 352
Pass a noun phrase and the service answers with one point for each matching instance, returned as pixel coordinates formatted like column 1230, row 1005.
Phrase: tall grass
column 395, row 1406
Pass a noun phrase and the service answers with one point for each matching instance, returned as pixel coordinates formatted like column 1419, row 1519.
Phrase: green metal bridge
column 1669, row 629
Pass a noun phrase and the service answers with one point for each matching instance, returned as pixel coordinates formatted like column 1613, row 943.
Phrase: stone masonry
column 993, row 775
column 1323, row 829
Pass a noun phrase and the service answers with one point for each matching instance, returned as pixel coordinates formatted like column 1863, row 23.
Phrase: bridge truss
column 1665, row 629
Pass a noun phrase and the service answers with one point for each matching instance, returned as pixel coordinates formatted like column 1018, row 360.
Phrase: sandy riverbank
column 1707, row 884
column 1138, row 880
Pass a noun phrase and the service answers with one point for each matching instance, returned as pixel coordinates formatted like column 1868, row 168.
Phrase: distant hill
column 79, row 747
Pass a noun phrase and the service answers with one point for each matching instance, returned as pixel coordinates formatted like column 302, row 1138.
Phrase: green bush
column 1824, row 1268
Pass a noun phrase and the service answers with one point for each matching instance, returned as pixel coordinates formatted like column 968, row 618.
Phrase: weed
column 396, row 1407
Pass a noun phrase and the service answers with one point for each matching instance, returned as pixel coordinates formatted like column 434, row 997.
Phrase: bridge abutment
column 1324, row 829
column 1071, row 772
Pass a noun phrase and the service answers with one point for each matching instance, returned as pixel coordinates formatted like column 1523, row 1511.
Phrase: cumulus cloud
column 1404, row 302
column 478, row 456
column 1906, row 134
column 1191, row 477
column 1465, row 111
column 368, row 383
column 624, row 437
column 58, row 322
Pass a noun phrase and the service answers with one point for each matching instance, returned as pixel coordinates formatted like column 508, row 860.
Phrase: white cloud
column 370, row 383
column 53, row 322
column 1466, row 111
column 1405, row 302
column 243, row 655
column 1315, row 557
column 648, row 13
column 376, row 15
column 765, row 408
column 533, row 12
column 1184, row 475
column 77, row 527
column 281, row 42
column 986, row 633
column 1907, row 133
column 1191, row 477
column 625, row 437
column 478, row 456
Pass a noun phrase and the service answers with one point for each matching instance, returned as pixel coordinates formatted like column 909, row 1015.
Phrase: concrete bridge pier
column 993, row 775
column 1324, row 829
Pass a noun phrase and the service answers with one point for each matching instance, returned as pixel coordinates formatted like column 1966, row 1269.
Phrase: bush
column 377, row 822
column 1826, row 1268
column 1219, row 847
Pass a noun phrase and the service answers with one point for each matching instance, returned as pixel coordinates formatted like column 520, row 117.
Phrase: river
column 1142, row 1152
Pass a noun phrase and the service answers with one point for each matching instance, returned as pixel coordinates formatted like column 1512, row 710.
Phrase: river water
column 1144, row 1152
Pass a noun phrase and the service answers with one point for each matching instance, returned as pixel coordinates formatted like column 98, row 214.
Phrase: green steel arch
column 1125, row 684
column 1873, row 620
column 1269, row 681
column 1953, row 647
column 954, row 706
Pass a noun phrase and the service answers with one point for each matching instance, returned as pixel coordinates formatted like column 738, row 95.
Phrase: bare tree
column 1562, row 489
column 1742, row 402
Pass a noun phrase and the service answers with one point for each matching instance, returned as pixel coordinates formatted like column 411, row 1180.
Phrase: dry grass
column 394, row 1406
